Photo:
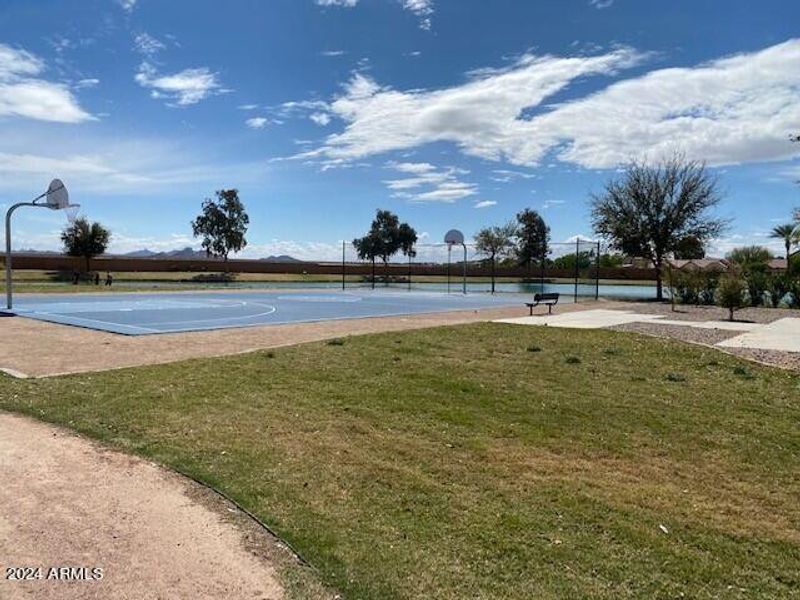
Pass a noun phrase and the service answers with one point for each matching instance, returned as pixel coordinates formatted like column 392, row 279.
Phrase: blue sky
column 452, row 113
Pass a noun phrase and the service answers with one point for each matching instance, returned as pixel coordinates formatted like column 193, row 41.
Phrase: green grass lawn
column 481, row 461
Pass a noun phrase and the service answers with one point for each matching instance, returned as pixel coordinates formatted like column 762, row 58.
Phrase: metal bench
column 549, row 300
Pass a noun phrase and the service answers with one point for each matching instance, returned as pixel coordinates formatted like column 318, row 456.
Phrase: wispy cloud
column 146, row 44
column 23, row 93
column 343, row 3
column 184, row 88
column 731, row 110
column 601, row 4
column 332, row 52
column 257, row 123
column 127, row 5
column 422, row 9
column 423, row 182
column 321, row 119
column 485, row 203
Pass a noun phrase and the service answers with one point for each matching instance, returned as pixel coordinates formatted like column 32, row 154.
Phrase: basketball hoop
column 55, row 198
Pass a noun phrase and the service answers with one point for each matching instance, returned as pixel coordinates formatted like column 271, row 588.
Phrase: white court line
column 69, row 317
column 217, row 319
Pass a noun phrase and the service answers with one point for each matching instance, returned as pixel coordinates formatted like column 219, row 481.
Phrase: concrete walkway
column 66, row 502
column 599, row 318
column 782, row 335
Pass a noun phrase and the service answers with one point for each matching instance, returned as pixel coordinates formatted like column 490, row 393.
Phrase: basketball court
column 147, row 314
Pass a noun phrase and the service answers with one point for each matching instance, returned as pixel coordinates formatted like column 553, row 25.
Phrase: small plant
column 270, row 354
column 335, row 342
column 743, row 372
column 573, row 360
column 731, row 293
column 612, row 351
column 675, row 377
column 534, row 348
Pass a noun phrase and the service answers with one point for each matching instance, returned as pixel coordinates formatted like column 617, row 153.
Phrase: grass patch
column 465, row 471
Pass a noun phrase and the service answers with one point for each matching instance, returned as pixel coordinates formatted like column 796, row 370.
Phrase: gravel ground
column 710, row 337
column 684, row 312
column 678, row 332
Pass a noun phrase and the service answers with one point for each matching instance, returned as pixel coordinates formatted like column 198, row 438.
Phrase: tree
column 753, row 263
column 85, row 239
column 651, row 208
column 496, row 242
column 750, row 258
column 386, row 237
column 730, row 293
column 222, row 224
column 790, row 234
column 533, row 238
column 689, row 248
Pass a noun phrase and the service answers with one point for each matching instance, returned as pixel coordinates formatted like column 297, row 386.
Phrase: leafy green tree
column 790, row 235
column 386, row 237
column 495, row 243
column 651, row 208
column 585, row 261
column 731, row 292
column 610, row 261
column 222, row 224
column 85, row 239
column 753, row 263
column 689, row 248
column 533, row 238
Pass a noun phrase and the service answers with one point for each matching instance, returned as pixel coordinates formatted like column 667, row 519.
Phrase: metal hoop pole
column 9, row 282
column 465, row 269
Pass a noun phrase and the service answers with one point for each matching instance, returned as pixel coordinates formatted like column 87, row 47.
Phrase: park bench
column 549, row 300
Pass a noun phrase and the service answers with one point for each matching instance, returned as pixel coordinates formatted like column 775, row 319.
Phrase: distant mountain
column 284, row 258
column 187, row 252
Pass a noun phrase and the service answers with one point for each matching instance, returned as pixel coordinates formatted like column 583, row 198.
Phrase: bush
column 695, row 286
column 731, row 292
column 778, row 286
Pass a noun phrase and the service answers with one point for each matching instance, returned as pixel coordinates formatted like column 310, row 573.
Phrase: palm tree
column 789, row 233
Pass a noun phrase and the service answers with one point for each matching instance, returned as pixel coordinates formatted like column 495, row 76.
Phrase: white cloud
column 485, row 203
column 23, row 94
column 257, row 123
column 148, row 45
column 184, row 88
column 247, row 106
column 551, row 203
column 731, row 110
column 421, row 8
column 601, row 4
column 321, row 119
column 127, row 5
column 482, row 116
column 427, row 183
column 332, row 52
column 87, row 83
column 344, row 3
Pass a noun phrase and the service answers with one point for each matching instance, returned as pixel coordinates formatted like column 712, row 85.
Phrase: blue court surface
column 145, row 314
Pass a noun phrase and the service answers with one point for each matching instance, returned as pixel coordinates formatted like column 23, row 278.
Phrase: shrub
column 573, row 360
column 778, row 286
column 731, row 292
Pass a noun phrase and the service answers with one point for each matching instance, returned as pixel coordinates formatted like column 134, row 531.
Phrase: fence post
column 597, row 275
column 577, row 266
column 409, row 271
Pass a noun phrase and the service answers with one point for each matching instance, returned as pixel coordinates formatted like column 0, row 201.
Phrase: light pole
column 57, row 198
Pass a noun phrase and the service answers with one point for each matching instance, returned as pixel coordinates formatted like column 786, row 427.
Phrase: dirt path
column 67, row 502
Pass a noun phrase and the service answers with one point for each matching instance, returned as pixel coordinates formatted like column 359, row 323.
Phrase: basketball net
column 72, row 213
